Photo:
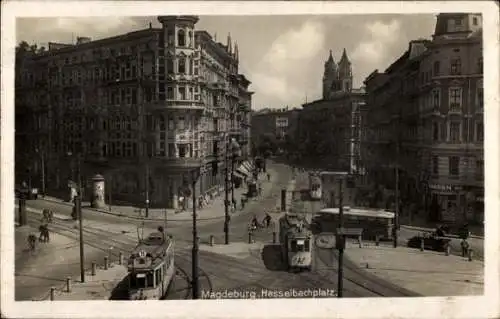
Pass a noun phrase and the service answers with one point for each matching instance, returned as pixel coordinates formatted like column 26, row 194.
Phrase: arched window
column 182, row 65
column 181, row 38
column 191, row 42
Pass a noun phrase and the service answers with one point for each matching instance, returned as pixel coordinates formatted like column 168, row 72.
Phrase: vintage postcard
column 250, row 159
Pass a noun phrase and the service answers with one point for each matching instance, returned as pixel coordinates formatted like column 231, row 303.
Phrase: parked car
column 29, row 193
column 431, row 242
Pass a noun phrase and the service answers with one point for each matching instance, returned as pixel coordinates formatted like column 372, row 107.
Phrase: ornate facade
column 430, row 103
column 144, row 109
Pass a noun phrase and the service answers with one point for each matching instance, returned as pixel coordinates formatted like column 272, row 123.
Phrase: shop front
column 446, row 200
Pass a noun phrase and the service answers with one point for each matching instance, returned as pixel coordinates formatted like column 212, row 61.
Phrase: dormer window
column 455, row 25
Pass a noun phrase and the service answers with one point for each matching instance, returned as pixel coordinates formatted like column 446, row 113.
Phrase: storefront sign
column 445, row 188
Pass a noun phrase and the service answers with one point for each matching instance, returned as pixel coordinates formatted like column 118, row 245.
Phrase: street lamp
column 235, row 153
column 42, row 157
column 341, row 232
column 234, row 148
column 195, row 174
column 78, row 210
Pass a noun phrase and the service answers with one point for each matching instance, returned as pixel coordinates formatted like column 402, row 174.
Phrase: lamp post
column 194, row 263
column 78, row 210
column 341, row 232
column 234, row 148
column 235, row 153
column 147, row 190
column 42, row 158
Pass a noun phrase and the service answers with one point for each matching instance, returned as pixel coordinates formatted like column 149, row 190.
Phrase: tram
column 315, row 186
column 295, row 242
column 375, row 222
column 151, row 267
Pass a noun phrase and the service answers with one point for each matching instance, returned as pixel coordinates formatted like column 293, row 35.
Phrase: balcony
column 178, row 162
column 176, row 104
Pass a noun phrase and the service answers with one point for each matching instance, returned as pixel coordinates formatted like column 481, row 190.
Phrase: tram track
column 106, row 241
column 378, row 288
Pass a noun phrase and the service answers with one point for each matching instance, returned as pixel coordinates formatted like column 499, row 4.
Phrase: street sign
column 349, row 231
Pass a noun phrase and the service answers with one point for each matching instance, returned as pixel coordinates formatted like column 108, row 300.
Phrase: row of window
column 453, row 133
column 454, row 166
column 181, row 66
column 455, row 99
column 183, row 39
column 130, row 149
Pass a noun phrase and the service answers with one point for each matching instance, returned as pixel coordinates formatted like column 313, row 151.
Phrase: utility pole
column 233, row 156
column 43, row 172
column 226, row 199
column 78, row 206
column 147, row 189
column 395, row 227
column 340, row 272
column 194, row 263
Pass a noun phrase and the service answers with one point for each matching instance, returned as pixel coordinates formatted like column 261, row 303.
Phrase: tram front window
column 142, row 280
column 300, row 245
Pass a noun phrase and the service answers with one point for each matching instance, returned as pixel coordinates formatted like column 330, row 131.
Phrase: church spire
column 330, row 63
column 236, row 53
column 229, row 49
column 344, row 59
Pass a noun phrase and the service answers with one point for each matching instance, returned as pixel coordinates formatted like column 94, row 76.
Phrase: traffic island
column 104, row 285
column 428, row 273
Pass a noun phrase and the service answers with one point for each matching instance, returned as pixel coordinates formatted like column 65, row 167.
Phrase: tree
column 267, row 145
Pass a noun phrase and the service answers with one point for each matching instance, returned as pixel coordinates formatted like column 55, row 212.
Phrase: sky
column 283, row 56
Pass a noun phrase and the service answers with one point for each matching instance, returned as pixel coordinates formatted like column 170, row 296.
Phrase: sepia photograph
column 204, row 154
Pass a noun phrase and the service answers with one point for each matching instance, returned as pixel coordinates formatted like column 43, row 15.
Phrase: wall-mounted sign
column 445, row 187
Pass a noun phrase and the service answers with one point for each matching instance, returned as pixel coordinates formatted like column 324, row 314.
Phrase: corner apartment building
column 330, row 129
column 425, row 115
column 144, row 109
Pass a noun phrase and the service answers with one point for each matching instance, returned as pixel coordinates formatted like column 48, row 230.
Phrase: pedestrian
column 32, row 242
column 268, row 177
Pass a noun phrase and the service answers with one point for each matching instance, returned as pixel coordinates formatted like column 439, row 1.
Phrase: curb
column 133, row 217
column 187, row 219
column 432, row 229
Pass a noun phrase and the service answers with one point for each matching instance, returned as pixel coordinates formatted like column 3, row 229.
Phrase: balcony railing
column 176, row 104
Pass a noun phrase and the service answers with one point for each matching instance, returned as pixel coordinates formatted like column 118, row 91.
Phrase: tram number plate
column 300, row 260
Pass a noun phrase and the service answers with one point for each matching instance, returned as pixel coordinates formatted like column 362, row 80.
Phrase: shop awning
column 242, row 169
column 239, row 175
column 248, row 165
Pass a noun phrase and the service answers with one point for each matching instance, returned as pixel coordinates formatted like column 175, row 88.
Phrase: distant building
column 144, row 109
column 330, row 129
column 278, row 123
column 425, row 115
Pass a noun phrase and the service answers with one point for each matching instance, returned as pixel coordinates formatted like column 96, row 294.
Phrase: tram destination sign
column 349, row 231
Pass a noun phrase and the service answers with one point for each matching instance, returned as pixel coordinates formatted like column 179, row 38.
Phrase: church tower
column 330, row 76
column 345, row 73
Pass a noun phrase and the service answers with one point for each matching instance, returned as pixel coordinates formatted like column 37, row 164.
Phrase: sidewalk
column 214, row 210
column 105, row 285
column 48, row 265
column 427, row 273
